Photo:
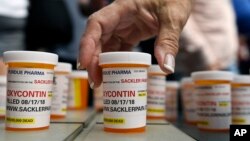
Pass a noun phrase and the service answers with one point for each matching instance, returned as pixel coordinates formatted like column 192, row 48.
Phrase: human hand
column 215, row 66
column 122, row 24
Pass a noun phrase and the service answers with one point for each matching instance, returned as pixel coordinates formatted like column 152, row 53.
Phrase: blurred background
column 216, row 36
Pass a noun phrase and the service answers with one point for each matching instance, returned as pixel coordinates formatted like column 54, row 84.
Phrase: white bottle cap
column 124, row 58
column 79, row 74
column 65, row 67
column 30, row 57
column 155, row 69
column 3, row 79
column 241, row 79
column 174, row 84
column 212, row 75
column 186, row 80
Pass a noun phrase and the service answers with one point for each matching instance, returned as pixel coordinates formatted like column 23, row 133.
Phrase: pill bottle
column 3, row 81
column 188, row 98
column 29, row 89
column 172, row 88
column 98, row 98
column 213, row 99
column 241, row 99
column 124, row 90
column 156, row 93
column 60, row 90
column 78, row 90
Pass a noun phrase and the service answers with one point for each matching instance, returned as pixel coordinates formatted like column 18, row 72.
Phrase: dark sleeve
column 242, row 11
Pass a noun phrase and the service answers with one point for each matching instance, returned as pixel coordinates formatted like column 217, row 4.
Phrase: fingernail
column 169, row 63
column 79, row 66
column 91, row 83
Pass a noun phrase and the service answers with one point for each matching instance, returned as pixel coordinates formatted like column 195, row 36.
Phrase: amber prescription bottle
column 156, row 93
column 213, row 99
column 124, row 90
column 172, row 88
column 3, row 81
column 29, row 89
column 241, row 99
column 188, row 98
column 78, row 90
column 61, row 90
column 98, row 98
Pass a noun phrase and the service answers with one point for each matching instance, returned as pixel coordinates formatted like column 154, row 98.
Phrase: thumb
column 172, row 18
column 166, row 48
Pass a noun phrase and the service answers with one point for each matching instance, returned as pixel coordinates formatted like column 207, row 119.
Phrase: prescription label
column 29, row 92
column 78, row 93
column 2, row 99
column 60, row 95
column 156, row 96
column 171, row 103
column 241, row 105
column 98, row 101
column 213, row 106
column 124, row 97
column 188, row 98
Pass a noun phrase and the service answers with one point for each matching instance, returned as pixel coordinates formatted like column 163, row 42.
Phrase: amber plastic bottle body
column 209, row 98
column 78, row 94
column 98, row 99
column 189, row 107
column 171, row 103
column 120, row 84
column 63, row 95
column 2, row 98
column 240, row 103
column 27, row 66
column 156, row 91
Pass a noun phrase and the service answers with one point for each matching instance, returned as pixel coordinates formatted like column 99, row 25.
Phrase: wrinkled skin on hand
column 124, row 23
